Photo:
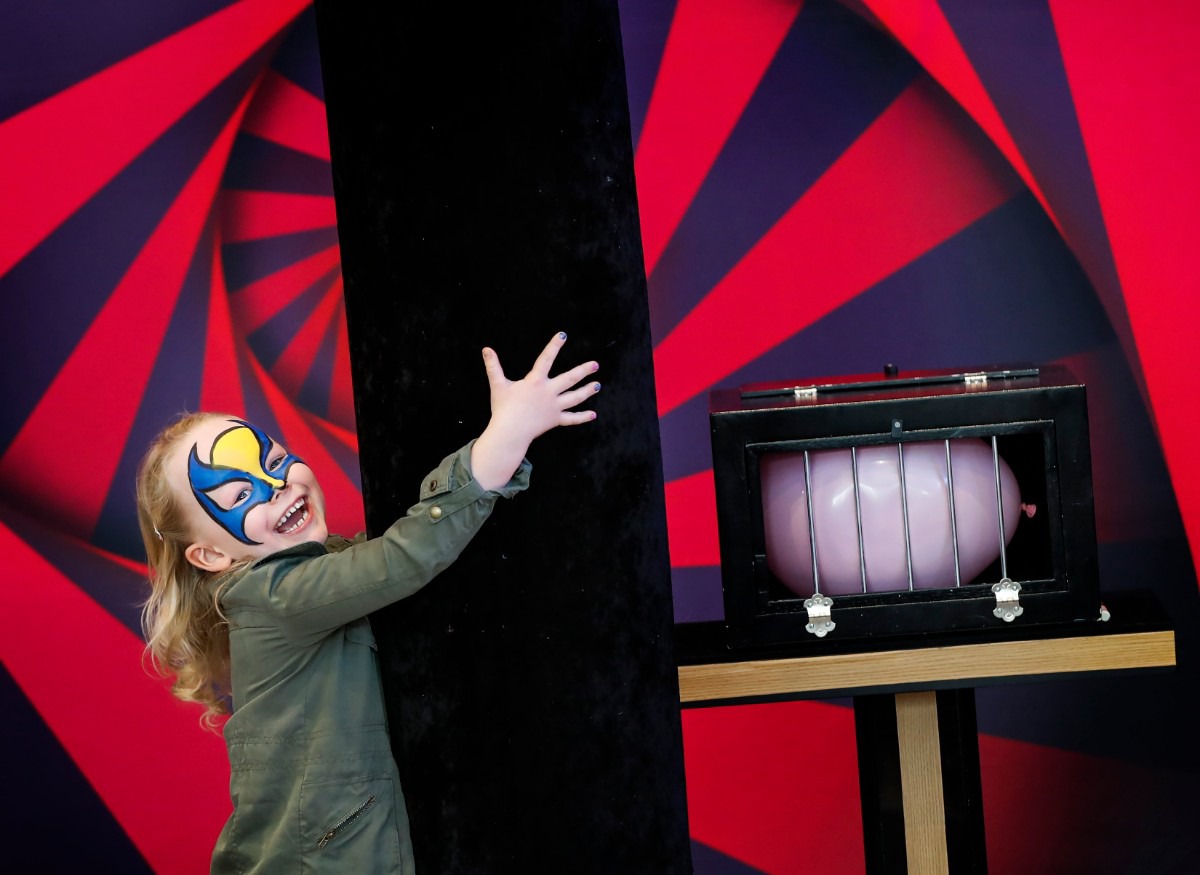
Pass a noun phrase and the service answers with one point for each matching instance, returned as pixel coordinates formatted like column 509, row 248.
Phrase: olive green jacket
column 313, row 782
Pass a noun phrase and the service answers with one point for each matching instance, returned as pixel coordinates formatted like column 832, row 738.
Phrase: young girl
column 255, row 610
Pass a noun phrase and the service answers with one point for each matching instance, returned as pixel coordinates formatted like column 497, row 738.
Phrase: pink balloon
column 785, row 516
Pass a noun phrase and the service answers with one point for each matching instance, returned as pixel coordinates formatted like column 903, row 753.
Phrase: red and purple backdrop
column 823, row 186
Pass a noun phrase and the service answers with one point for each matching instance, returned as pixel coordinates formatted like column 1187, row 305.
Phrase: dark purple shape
column 833, row 76
column 254, row 399
column 63, row 283
column 709, row 861
column 644, row 28
column 1014, row 49
column 173, row 387
column 697, row 595
column 45, row 49
column 270, row 340
column 297, row 58
column 115, row 588
column 1004, row 289
column 54, row 793
column 259, row 165
column 252, row 260
column 346, row 459
column 314, row 394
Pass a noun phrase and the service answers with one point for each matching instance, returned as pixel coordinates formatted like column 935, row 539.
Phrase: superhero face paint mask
column 239, row 454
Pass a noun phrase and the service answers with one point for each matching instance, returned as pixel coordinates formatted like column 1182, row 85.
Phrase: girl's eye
column 241, row 496
column 275, row 463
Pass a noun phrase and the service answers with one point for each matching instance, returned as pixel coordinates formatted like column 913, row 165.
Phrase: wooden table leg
column 919, row 781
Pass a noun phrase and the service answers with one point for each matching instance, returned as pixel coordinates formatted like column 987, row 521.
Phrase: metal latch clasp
column 820, row 609
column 1008, row 603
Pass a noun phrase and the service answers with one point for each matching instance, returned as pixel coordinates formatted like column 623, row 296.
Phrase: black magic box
column 907, row 504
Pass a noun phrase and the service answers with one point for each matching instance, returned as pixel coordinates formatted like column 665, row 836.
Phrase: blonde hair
column 187, row 636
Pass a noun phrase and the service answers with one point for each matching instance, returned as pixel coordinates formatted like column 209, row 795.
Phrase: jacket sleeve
column 308, row 596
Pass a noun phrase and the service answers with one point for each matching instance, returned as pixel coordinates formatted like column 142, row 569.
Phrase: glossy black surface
column 483, row 173
column 962, row 787
column 881, row 793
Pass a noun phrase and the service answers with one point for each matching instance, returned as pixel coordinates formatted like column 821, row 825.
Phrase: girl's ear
column 207, row 557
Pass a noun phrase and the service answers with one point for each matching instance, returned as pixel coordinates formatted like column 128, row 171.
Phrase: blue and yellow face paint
column 239, row 454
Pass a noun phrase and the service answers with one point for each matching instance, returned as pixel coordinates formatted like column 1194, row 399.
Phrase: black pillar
column 880, row 792
column 483, row 174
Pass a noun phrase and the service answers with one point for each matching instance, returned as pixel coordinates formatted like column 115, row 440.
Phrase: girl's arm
column 309, row 595
column 526, row 408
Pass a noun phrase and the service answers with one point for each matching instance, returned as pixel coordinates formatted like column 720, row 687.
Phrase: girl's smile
column 286, row 526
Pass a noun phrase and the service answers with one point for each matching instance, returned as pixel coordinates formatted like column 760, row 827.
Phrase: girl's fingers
column 491, row 364
column 541, row 367
column 567, row 379
column 576, row 417
column 577, row 396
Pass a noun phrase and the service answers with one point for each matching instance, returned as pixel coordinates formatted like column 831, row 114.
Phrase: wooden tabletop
column 1137, row 638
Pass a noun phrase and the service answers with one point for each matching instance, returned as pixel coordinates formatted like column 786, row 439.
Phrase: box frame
column 928, row 405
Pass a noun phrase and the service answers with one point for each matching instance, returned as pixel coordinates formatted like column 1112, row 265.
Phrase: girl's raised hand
column 525, row 408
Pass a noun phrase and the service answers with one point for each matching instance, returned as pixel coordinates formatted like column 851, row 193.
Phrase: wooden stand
column 914, row 706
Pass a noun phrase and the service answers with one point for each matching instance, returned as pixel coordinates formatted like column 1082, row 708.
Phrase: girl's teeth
column 288, row 515
column 303, row 519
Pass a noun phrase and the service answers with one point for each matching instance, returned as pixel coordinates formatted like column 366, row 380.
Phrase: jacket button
column 435, row 513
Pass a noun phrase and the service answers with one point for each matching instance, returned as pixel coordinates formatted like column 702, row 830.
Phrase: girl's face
column 244, row 495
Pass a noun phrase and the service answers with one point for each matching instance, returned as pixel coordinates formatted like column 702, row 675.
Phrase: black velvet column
column 484, row 180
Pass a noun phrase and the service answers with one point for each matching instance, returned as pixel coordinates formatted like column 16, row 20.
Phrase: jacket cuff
column 519, row 481
column 454, row 473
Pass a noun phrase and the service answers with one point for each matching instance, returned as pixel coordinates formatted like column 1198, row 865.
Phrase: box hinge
column 1008, row 603
column 976, row 379
column 820, row 610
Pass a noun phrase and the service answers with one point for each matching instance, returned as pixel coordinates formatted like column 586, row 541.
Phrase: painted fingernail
column 596, row 388
column 595, row 367
column 562, row 335
column 593, row 416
